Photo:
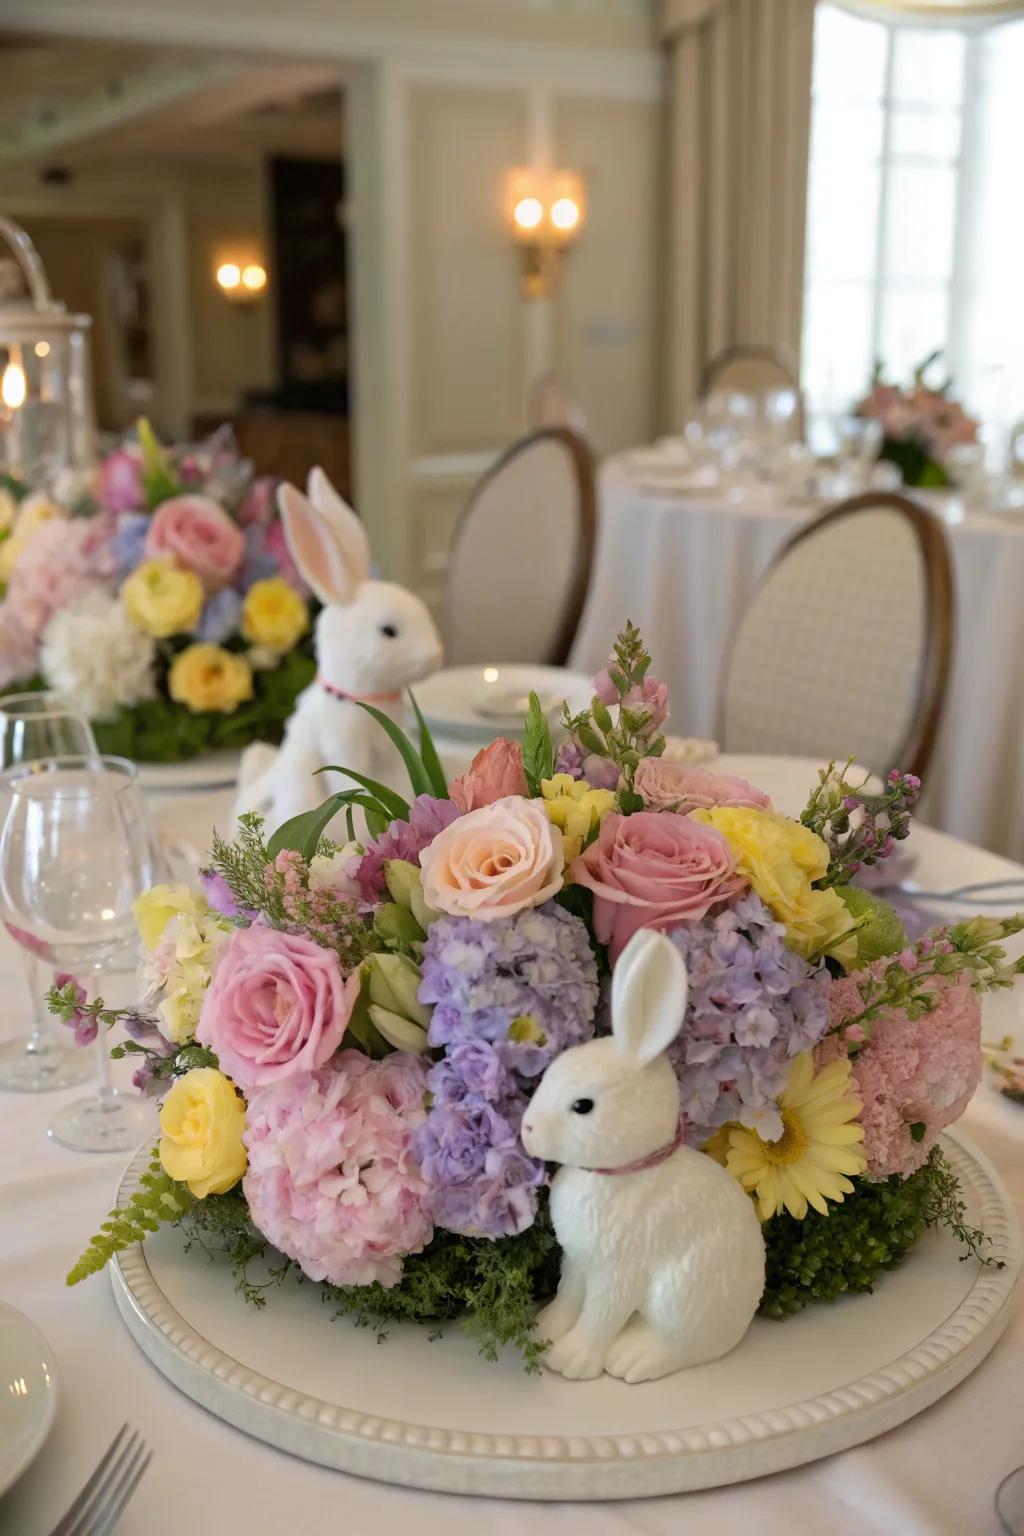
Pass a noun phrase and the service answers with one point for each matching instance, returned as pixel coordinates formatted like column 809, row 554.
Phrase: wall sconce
column 241, row 285
column 546, row 213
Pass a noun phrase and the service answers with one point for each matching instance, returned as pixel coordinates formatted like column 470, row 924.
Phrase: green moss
column 881, row 932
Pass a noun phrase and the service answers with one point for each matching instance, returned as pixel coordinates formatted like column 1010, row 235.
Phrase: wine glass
column 76, row 849
column 35, row 726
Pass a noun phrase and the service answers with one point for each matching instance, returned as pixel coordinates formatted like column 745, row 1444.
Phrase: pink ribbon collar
column 652, row 1160
column 358, row 698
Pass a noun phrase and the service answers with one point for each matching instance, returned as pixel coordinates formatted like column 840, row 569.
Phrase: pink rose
column 654, row 871
column 200, row 535
column 277, row 1004
column 495, row 773
column 494, row 861
column 665, row 786
column 119, row 482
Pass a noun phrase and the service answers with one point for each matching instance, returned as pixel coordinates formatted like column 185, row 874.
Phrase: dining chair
column 752, row 369
column 522, row 552
column 552, row 404
column 846, row 645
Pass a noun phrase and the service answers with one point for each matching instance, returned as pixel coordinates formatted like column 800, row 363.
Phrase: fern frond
column 158, row 1199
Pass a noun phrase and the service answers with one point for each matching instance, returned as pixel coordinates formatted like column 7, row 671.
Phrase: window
column 915, row 214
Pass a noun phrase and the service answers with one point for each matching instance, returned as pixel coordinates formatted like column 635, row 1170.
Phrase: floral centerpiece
column 161, row 598
column 345, row 1036
column 921, row 426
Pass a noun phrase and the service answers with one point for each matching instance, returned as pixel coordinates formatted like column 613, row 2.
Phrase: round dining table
column 935, row 1474
column 681, row 560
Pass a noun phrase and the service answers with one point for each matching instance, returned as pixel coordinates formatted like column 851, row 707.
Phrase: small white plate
column 28, row 1393
column 214, row 770
column 481, row 701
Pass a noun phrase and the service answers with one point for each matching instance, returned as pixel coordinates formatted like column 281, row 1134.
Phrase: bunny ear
column 649, row 992
column 315, row 549
column 348, row 530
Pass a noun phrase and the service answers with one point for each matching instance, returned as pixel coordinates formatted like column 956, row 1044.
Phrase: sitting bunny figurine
column 372, row 640
column 663, row 1258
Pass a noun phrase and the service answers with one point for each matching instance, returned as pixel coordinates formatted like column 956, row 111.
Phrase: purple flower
column 570, row 758
column 220, row 896
column 753, row 1005
column 129, row 542
column 259, row 504
column 85, row 1025
column 600, row 772
column 403, row 840
column 220, row 617
column 119, row 481
column 480, row 1181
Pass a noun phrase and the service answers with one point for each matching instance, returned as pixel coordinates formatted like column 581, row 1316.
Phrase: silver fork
column 102, row 1502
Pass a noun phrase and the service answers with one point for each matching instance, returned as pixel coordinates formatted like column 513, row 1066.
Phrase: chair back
column 552, row 404
column 522, row 552
column 846, row 646
column 754, row 370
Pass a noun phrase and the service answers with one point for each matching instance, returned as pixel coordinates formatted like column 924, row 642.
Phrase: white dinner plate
column 214, row 770
column 482, row 701
column 28, row 1393
column 428, row 1412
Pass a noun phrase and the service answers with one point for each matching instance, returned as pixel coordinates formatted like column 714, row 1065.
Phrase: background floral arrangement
column 922, row 426
column 345, row 1037
column 162, row 598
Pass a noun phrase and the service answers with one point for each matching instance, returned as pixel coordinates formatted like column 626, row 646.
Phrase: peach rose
column 201, row 537
column 665, row 786
column 494, row 861
column 495, row 773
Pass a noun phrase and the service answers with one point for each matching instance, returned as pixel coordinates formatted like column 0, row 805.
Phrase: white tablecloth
column 683, row 569
column 934, row 1475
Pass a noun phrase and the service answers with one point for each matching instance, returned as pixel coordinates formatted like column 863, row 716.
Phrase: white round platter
column 434, row 1414
column 482, row 701
column 28, row 1393
column 214, row 770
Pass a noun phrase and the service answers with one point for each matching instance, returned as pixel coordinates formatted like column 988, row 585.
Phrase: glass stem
column 40, row 1041
column 105, row 1091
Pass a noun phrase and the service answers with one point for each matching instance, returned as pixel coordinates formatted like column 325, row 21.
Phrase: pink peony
column 910, row 1072
column 332, row 1181
column 200, row 535
column 496, row 771
column 277, row 1005
column 494, row 861
column 665, row 786
column 119, row 482
column 654, row 871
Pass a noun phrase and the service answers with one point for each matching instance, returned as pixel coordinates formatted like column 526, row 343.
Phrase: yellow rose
column 208, row 678
column 163, row 599
column 576, row 810
column 155, row 908
column 274, row 615
column 202, row 1121
column 781, row 859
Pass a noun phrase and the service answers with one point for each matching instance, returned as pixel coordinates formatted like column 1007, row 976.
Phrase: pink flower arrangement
column 119, row 481
column 332, row 1181
column 495, row 772
column 493, row 862
column 654, row 871
column 201, row 537
column 909, row 1072
column 277, row 1005
column 65, row 559
column 667, row 786
column 651, row 692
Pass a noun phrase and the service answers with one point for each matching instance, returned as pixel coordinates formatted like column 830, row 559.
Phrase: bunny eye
column 581, row 1106
column 388, row 631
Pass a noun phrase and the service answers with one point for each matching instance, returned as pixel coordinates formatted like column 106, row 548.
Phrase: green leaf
column 389, row 799
column 917, row 1130
column 419, row 779
column 158, row 479
column 159, row 1198
column 590, row 739
column 538, row 751
column 303, row 832
column 428, row 754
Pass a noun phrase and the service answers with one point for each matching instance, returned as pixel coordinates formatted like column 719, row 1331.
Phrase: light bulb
column 565, row 214
column 42, row 349
column 229, row 275
column 528, row 212
column 254, row 278
column 12, row 386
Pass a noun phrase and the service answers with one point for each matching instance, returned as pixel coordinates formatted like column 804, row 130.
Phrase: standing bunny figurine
column 663, row 1258
column 372, row 640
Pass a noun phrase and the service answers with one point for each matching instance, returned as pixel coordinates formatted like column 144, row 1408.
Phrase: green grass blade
column 428, row 753
column 419, row 779
column 388, row 798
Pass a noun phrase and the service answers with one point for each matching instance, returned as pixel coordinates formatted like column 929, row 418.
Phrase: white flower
column 93, row 654
column 337, row 872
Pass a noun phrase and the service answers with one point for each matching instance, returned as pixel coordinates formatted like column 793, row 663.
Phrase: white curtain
column 740, row 103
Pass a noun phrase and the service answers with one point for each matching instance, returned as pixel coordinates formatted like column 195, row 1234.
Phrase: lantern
column 46, row 412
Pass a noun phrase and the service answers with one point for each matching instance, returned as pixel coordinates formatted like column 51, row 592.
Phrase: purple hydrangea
column 220, row 618
column 403, row 840
column 508, row 996
column 129, row 543
column 753, row 1006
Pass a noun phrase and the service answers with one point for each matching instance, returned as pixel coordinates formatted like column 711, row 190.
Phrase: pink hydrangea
column 19, row 647
column 920, row 1072
column 64, row 560
column 332, row 1179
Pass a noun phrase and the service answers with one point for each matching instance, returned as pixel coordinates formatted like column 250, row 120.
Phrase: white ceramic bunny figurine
column 372, row 640
column 663, row 1258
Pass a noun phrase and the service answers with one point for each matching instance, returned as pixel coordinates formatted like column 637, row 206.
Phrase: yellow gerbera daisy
column 818, row 1148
